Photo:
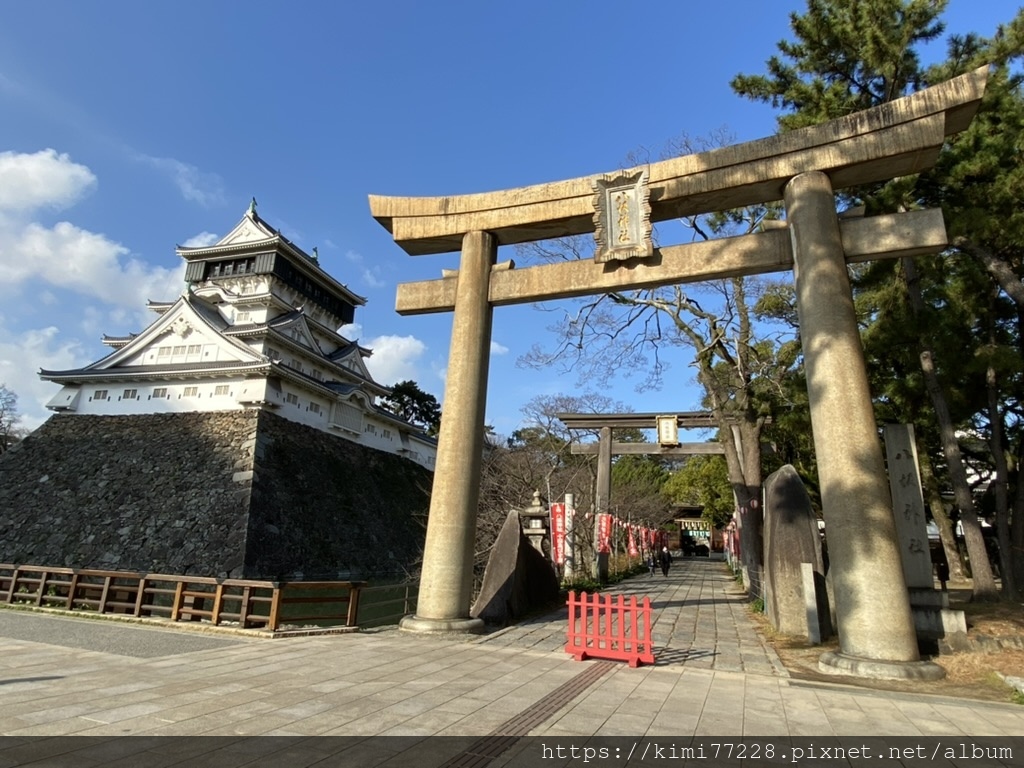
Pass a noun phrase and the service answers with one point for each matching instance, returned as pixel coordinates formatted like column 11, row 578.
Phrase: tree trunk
column 1017, row 535
column 1001, row 479
column 1017, row 522
column 938, row 509
column 981, row 569
column 1000, row 484
column 743, row 459
column 741, row 439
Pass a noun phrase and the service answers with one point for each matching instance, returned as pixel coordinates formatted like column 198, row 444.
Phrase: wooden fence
column 250, row 603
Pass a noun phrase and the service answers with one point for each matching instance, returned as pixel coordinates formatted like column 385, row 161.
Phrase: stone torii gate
column 803, row 168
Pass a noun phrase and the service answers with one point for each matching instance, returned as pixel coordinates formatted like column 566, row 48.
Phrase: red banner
column 633, row 551
column 558, row 533
column 604, row 533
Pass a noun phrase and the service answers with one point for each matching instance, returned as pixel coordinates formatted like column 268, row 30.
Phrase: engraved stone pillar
column 603, row 493
column 908, row 505
column 446, row 584
column 876, row 631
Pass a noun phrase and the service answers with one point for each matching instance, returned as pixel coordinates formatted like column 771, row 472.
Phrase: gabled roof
column 351, row 348
column 250, row 229
column 296, row 321
column 182, row 319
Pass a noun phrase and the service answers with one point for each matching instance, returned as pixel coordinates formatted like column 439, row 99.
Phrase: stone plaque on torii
column 803, row 168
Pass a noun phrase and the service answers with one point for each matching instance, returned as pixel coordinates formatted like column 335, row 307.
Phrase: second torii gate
column 667, row 426
column 803, row 168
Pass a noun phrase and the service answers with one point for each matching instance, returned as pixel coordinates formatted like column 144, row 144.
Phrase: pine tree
column 848, row 56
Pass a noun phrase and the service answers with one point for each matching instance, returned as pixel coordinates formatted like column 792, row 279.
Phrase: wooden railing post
column 275, row 608
column 353, row 604
column 72, row 589
column 218, row 596
column 13, row 586
column 42, row 588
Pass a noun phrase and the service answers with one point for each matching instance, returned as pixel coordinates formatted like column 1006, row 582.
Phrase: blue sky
column 127, row 128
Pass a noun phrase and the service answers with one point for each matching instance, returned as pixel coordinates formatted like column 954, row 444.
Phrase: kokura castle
column 238, row 436
column 256, row 328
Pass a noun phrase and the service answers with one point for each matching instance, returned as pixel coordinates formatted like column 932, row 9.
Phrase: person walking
column 665, row 559
column 651, row 563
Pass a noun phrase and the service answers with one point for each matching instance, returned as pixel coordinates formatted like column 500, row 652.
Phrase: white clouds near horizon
column 395, row 359
column 42, row 263
column 22, row 354
column 65, row 255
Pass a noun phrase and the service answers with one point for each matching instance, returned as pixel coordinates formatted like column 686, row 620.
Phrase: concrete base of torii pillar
column 876, row 628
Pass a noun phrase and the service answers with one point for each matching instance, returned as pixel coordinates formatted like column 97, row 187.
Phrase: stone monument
column 791, row 539
column 518, row 578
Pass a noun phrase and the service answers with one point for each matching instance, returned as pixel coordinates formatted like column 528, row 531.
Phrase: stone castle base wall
column 234, row 494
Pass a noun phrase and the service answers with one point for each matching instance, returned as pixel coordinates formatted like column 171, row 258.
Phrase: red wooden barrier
column 601, row 628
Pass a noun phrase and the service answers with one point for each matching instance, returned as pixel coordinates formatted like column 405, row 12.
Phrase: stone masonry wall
column 205, row 494
column 329, row 508
column 163, row 493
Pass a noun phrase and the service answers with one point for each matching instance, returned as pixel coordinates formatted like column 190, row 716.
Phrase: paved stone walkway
column 701, row 621
column 67, row 676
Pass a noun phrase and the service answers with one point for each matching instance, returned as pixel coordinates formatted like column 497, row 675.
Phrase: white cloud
column 498, row 349
column 42, row 179
column 21, row 357
column 195, row 185
column 395, row 358
column 66, row 256
column 201, row 240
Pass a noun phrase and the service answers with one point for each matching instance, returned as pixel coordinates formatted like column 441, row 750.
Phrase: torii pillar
column 864, row 556
column 446, row 583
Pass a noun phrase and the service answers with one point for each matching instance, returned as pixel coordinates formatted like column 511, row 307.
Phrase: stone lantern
column 536, row 522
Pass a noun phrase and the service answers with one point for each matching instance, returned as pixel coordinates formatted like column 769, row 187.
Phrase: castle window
column 101, row 394
column 221, row 389
column 129, row 394
column 347, row 417
column 371, row 429
column 194, row 349
column 243, row 317
column 387, row 434
column 160, row 392
column 292, row 398
column 162, row 354
column 314, row 407
column 191, row 391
